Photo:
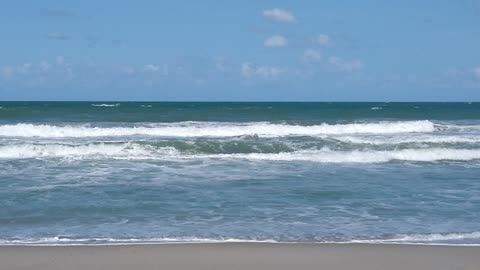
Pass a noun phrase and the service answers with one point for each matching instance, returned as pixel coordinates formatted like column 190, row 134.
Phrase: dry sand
column 240, row 256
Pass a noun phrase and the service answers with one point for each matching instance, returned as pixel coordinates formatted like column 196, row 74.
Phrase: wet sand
column 240, row 256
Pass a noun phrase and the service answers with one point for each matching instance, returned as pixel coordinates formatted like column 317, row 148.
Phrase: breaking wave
column 142, row 151
column 215, row 129
column 122, row 150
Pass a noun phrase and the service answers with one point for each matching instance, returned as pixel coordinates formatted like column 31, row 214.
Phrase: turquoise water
column 141, row 172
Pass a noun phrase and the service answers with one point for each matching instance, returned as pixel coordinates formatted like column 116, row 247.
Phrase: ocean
column 95, row 173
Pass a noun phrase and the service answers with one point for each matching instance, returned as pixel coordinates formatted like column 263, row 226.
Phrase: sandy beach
column 240, row 256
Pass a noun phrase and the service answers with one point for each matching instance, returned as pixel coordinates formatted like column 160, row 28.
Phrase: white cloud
column 128, row 70
column 151, row 67
column 7, row 72
column 476, row 72
column 57, row 12
column 323, row 40
column 58, row 36
column 249, row 70
column 219, row 63
column 279, row 15
column 10, row 71
column 312, row 56
column 163, row 69
column 44, row 66
column 275, row 41
column 25, row 68
column 343, row 65
column 60, row 60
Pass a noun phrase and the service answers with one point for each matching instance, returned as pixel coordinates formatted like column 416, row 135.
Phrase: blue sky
column 240, row 50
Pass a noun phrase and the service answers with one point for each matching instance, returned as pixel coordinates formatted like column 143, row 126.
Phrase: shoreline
column 241, row 256
column 153, row 243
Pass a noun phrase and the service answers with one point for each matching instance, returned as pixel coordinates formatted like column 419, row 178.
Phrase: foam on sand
column 433, row 238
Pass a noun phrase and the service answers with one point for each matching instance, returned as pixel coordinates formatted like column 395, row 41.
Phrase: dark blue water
column 100, row 173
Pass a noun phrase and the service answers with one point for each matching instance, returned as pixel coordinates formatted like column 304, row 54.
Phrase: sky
column 208, row 50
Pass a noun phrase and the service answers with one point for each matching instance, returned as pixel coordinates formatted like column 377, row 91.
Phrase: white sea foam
column 424, row 238
column 453, row 239
column 145, row 152
column 215, row 129
column 328, row 156
column 106, row 105
column 410, row 139
column 123, row 150
column 463, row 128
column 376, row 108
column 67, row 241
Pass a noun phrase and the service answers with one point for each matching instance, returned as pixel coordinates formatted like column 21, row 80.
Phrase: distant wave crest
column 106, row 105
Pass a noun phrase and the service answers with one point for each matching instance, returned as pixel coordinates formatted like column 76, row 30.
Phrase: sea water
column 159, row 172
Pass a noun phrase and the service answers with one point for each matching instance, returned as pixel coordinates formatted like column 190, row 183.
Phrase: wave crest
column 145, row 152
column 122, row 150
column 106, row 105
column 209, row 129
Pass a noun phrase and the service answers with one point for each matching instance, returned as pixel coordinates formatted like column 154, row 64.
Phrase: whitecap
column 98, row 150
column 134, row 151
column 215, row 129
column 106, row 105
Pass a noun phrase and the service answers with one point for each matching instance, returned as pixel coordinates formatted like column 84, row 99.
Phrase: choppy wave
column 141, row 151
column 212, row 129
